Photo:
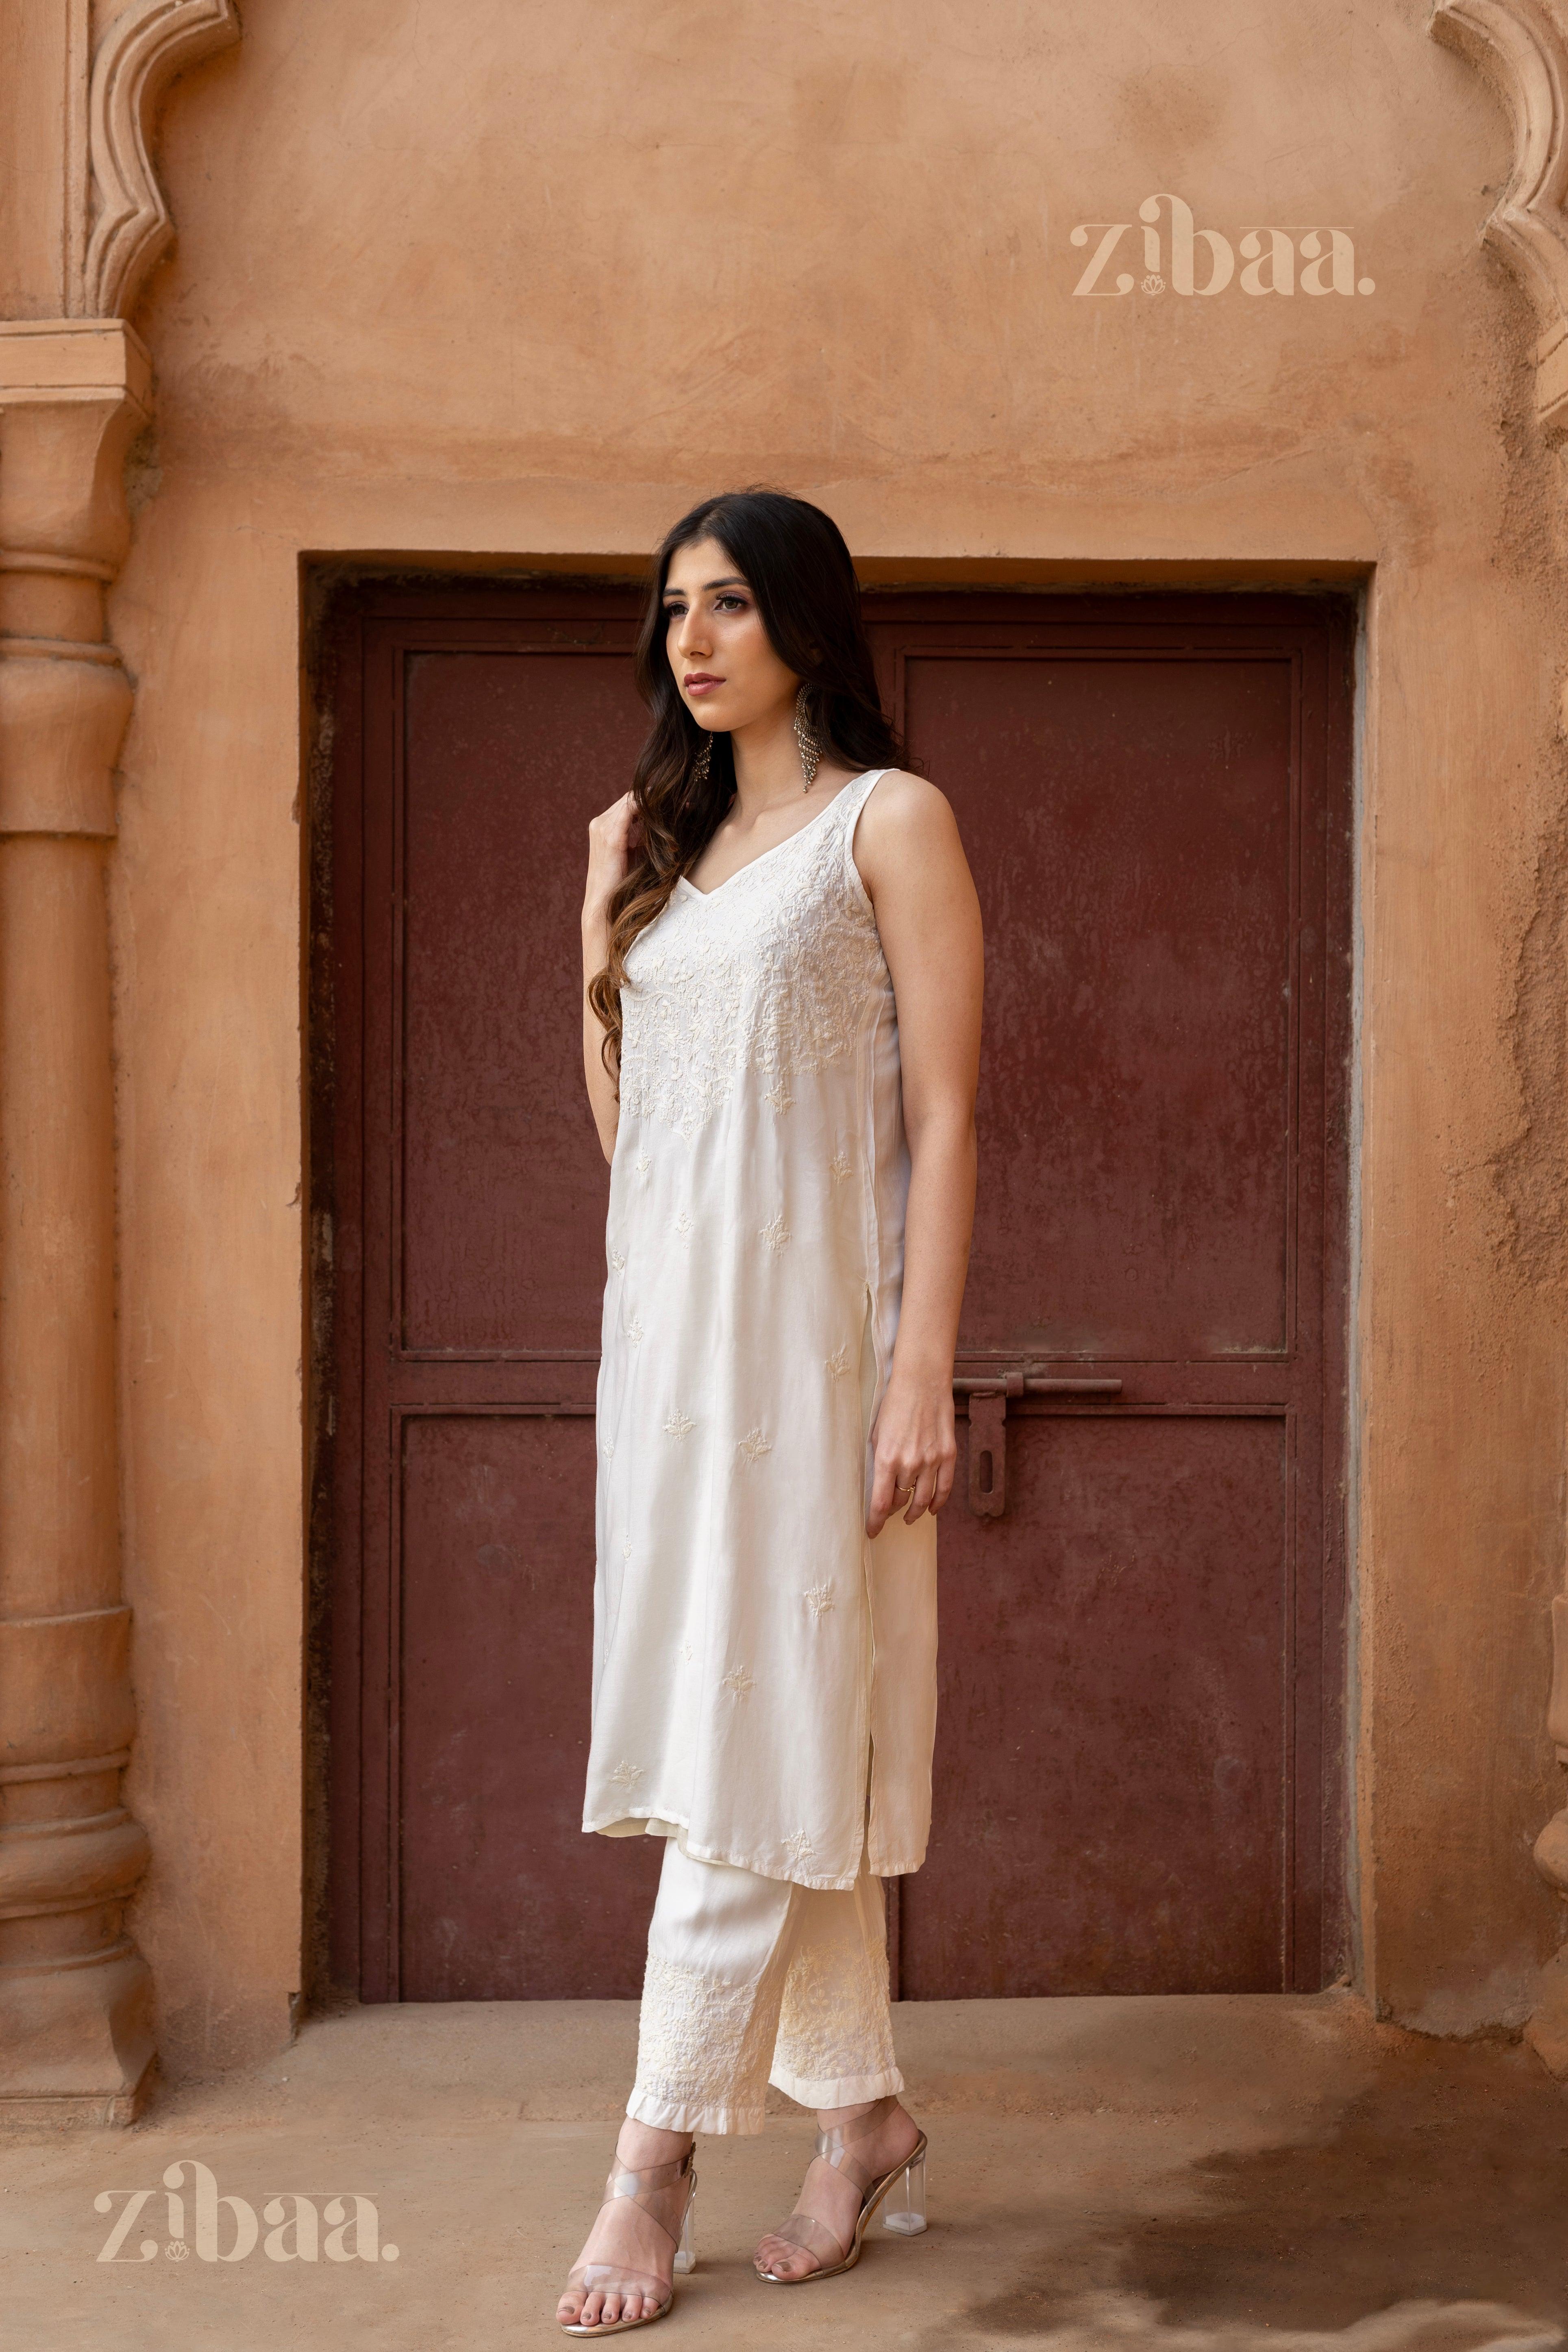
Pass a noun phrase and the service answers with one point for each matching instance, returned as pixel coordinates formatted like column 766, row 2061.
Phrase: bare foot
column 629, row 2240
column 830, row 2197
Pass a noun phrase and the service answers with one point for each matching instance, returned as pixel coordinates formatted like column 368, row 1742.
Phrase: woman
column 782, row 966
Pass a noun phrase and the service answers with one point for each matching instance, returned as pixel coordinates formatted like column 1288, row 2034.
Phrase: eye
column 730, row 603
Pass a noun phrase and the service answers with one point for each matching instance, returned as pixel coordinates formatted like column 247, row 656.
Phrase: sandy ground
column 1105, row 2176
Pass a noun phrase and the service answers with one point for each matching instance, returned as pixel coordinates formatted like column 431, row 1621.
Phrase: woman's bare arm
column 911, row 860
column 609, row 849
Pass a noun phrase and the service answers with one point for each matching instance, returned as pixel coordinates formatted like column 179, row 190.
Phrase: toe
column 783, row 2260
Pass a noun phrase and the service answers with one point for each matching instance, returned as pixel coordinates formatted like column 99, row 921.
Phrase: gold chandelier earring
column 810, row 749
column 704, row 760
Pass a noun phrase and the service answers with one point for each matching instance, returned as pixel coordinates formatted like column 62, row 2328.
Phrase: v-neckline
column 685, row 884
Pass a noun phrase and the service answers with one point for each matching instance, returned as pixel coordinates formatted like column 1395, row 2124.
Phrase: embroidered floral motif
column 820, row 1599
column 617, row 1260
column 683, row 1226
column 627, row 1548
column 688, row 1653
column 834, row 2025
column 703, row 2045
column 642, row 1163
column 627, row 1776
column 838, row 1167
column 838, row 1362
column 775, row 1232
column 799, row 1849
column 738, row 1680
column 778, row 972
column 634, row 1331
column 609, row 1453
column 679, row 1425
column 754, row 1445
column 780, row 1097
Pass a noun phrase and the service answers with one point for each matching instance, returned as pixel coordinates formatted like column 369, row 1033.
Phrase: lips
column 700, row 681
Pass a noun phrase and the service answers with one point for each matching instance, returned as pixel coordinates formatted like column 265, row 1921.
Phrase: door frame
column 338, row 598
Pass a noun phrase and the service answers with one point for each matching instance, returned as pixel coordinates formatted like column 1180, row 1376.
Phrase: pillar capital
column 74, row 393
column 54, row 359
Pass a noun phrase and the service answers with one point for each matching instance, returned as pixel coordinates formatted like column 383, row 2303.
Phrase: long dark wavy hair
column 795, row 562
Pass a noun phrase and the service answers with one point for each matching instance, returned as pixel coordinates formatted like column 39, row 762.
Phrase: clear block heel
column 686, row 2253
column 904, row 2209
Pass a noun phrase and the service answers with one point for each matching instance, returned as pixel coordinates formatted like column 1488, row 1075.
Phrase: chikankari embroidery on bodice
column 764, row 1679
column 771, row 976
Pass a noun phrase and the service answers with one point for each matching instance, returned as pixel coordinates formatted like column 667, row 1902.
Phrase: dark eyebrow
column 731, row 579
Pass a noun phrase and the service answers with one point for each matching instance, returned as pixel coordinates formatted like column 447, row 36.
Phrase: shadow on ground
column 1444, row 2184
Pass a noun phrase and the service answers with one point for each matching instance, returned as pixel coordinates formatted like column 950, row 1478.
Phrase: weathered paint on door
column 481, row 737
column 1137, row 1780
column 1137, row 1775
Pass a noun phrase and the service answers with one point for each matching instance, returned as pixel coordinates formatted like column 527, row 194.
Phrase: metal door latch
column 988, row 1393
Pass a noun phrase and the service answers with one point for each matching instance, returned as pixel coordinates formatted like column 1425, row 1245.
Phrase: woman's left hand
column 915, row 1447
column 928, row 918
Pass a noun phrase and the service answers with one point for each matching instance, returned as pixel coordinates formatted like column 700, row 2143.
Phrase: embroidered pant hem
column 752, row 1979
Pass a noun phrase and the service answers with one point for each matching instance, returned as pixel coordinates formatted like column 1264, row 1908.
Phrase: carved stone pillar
column 75, row 1993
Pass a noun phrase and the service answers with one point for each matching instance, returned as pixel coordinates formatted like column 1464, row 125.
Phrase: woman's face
column 724, row 664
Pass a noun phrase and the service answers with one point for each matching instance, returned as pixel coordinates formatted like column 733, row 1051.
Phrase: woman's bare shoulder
column 905, row 817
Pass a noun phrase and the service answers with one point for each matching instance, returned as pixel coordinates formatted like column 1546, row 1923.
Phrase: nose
column 692, row 637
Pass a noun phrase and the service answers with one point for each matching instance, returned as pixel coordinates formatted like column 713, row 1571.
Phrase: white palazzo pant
column 752, row 1981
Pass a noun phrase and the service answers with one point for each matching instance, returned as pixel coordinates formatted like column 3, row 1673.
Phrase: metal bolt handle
column 988, row 1393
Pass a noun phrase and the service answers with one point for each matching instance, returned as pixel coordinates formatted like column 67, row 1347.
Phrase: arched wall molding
column 138, row 57
column 1519, row 47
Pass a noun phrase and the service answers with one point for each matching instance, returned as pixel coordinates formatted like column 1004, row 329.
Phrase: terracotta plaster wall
column 511, row 282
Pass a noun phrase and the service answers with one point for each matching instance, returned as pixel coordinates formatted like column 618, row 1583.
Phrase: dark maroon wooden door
column 1137, row 1778
column 474, row 746
column 1138, row 1775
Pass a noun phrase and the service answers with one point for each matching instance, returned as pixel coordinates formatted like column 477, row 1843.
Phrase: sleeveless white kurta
column 764, row 1673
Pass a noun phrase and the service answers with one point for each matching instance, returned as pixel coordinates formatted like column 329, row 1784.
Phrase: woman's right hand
column 613, row 838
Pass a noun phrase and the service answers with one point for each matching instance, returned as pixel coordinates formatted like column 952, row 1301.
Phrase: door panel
column 1137, row 1779
column 503, row 1898
column 1107, row 1815
column 1129, row 826
column 506, row 756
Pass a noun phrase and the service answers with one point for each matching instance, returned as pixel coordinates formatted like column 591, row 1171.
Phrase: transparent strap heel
column 666, row 2193
column 905, row 2185
column 904, row 2207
